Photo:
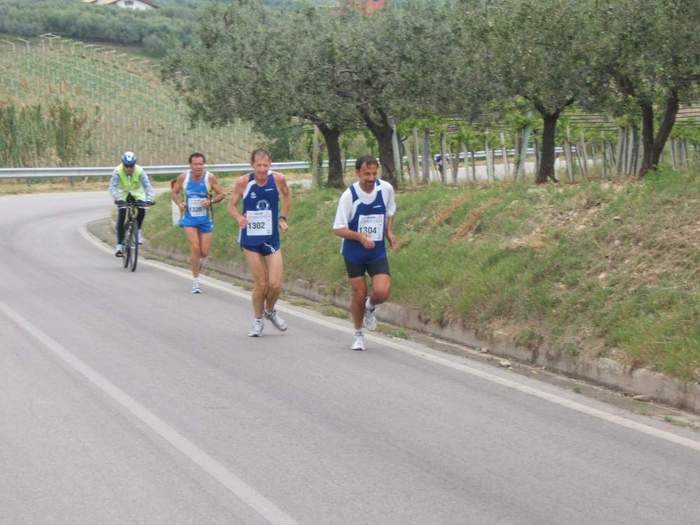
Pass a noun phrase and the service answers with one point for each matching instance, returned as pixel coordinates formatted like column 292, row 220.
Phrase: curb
column 647, row 384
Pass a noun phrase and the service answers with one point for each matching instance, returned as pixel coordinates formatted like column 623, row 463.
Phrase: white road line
column 437, row 359
column 246, row 493
column 514, row 385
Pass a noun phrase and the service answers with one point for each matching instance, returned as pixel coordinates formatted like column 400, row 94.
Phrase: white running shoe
column 358, row 341
column 119, row 250
column 370, row 320
column 276, row 320
column 140, row 236
column 257, row 330
column 196, row 287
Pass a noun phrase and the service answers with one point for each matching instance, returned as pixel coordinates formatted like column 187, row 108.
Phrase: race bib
column 259, row 222
column 195, row 206
column 372, row 226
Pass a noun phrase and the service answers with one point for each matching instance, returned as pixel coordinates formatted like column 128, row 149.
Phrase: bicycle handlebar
column 140, row 204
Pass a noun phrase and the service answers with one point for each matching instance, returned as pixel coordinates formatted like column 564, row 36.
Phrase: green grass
column 589, row 268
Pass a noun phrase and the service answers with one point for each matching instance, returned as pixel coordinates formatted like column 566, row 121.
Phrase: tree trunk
column 331, row 136
column 647, row 137
column 383, row 132
column 546, row 168
column 396, row 153
column 667, row 122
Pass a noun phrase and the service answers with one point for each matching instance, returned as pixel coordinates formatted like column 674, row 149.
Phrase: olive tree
column 540, row 50
column 651, row 53
column 397, row 63
column 265, row 66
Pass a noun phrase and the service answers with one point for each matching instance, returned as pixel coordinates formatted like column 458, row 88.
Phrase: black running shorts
column 380, row 266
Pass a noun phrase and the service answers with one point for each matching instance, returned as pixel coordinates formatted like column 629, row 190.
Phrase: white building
column 138, row 5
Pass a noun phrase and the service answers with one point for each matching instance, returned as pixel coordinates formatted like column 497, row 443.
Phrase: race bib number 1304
column 372, row 226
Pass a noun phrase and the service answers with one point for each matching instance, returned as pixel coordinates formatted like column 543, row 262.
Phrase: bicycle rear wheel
column 134, row 245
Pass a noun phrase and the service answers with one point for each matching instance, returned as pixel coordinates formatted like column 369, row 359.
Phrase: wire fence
column 129, row 107
column 589, row 145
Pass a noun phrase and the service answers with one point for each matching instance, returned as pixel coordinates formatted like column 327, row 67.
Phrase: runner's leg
column 195, row 249
column 357, row 304
column 205, row 240
column 381, row 287
column 257, row 267
column 275, row 269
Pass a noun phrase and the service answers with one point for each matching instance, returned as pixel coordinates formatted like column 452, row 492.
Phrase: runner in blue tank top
column 196, row 211
column 261, row 208
column 260, row 222
column 364, row 218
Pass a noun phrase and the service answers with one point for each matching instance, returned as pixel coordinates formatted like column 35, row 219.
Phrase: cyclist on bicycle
column 129, row 182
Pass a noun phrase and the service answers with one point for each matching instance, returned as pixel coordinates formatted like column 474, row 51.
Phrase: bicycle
column 131, row 231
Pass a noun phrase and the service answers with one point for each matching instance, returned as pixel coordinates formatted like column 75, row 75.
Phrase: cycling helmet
column 129, row 158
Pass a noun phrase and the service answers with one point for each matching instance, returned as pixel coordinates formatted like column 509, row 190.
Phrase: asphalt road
column 125, row 399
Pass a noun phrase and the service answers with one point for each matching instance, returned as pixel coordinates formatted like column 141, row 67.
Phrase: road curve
column 125, row 399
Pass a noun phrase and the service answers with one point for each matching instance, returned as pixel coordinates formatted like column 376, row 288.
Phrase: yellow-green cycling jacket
column 121, row 184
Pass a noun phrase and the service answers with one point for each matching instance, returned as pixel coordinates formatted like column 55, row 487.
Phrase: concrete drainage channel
column 642, row 384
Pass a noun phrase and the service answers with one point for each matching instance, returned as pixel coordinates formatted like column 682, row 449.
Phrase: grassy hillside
column 605, row 269
column 128, row 105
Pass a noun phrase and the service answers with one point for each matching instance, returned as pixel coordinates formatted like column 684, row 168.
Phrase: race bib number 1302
column 259, row 222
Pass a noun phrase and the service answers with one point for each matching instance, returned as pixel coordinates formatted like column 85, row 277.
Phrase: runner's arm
column 236, row 196
column 220, row 194
column 175, row 191
column 286, row 198
column 393, row 243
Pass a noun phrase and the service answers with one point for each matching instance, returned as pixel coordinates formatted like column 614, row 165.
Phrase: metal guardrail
column 45, row 173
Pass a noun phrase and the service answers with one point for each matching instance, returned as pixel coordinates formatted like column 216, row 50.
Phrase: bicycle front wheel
column 127, row 246
column 134, row 247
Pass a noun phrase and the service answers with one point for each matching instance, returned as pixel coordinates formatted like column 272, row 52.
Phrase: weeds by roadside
column 594, row 268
